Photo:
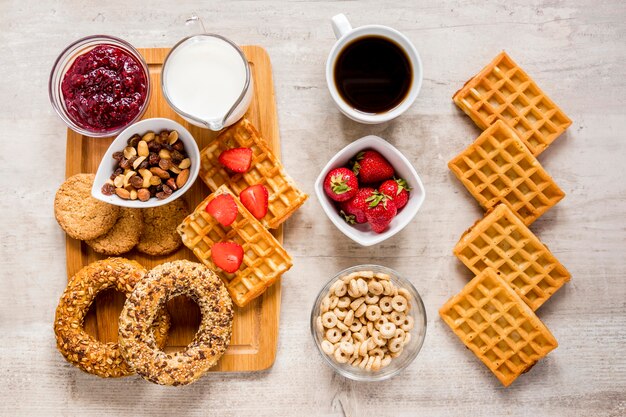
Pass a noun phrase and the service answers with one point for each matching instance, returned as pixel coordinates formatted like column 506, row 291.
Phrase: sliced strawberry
column 255, row 199
column 223, row 208
column 227, row 256
column 236, row 159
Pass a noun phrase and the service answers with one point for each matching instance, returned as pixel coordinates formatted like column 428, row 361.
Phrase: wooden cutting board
column 255, row 327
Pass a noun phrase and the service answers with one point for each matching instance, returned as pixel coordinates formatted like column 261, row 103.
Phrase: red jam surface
column 104, row 88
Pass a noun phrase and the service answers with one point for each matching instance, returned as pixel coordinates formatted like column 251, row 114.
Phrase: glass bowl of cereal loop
column 368, row 323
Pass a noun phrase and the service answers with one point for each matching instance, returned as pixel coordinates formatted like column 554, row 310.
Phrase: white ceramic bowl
column 107, row 165
column 362, row 233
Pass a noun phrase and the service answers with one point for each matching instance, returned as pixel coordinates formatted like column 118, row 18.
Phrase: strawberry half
column 223, row 208
column 380, row 211
column 227, row 256
column 397, row 189
column 236, row 159
column 353, row 211
column 341, row 184
column 255, row 198
column 371, row 167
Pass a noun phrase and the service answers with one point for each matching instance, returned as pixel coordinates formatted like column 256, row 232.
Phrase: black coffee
column 373, row 74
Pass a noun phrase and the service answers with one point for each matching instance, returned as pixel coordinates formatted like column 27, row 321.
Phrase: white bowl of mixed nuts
column 149, row 164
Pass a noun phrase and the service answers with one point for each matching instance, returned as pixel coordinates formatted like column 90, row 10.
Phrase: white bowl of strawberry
column 369, row 190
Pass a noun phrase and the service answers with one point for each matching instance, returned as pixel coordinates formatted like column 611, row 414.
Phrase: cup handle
column 341, row 26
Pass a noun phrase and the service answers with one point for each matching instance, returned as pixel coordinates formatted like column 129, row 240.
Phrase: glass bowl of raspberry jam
column 99, row 85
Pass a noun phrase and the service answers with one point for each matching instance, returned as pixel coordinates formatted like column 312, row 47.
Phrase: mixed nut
column 152, row 165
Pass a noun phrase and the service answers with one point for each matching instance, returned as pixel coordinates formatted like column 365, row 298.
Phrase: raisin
column 118, row 156
column 165, row 164
column 136, row 181
column 133, row 141
column 124, row 164
column 153, row 190
column 153, row 159
column 108, row 189
column 178, row 146
column 143, row 165
column 153, row 146
column 167, row 190
column 168, row 147
column 162, row 195
column 177, row 157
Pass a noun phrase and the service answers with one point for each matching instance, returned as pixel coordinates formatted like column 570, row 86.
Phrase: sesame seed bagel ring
column 162, row 284
column 82, row 350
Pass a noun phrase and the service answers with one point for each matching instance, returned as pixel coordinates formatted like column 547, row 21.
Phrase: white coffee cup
column 346, row 34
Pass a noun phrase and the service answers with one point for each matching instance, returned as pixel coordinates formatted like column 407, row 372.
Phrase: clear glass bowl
column 63, row 63
column 410, row 351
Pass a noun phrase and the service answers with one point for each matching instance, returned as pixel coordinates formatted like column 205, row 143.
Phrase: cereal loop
column 373, row 313
column 385, row 304
column 343, row 302
column 334, row 300
column 361, row 310
column 397, row 318
column 395, row 345
column 340, row 357
column 407, row 323
column 388, row 330
column 355, row 326
column 371, row 299
column 349, row 318
column 333, row 335
column 341, row 289
column 329, row 320
column 341, row 314
column 375, row 287
column 328, row 347
column 398, row 303
column 362, row 286
column 347, row 348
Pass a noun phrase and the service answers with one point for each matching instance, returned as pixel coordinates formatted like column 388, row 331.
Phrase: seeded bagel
column 79, row 214
column 163, row 283
column 85, row 352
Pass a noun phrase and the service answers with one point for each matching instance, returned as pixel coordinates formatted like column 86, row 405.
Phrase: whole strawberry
column 397, row 189
column 380, row 211
column 341, row 184
column 370, row 167
column 353, row 211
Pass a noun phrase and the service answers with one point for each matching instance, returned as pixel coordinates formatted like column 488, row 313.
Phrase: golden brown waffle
column 502, row 242
column 497, row 168
column 264, row 259
column 266, row 169
column 496, row 324
column 503, row 91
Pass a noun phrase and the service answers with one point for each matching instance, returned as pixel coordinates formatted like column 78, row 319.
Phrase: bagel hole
column 185, row 317
column 105, row 311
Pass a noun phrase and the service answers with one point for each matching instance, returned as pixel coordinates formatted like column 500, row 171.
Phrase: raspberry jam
column 104, row 88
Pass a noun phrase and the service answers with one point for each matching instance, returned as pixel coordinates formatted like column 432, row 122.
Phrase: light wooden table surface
column 576, row 52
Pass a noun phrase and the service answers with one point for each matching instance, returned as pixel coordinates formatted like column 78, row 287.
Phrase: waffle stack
column 265, row 260
column 284, row 196
column 515, row 273
column 503, row 91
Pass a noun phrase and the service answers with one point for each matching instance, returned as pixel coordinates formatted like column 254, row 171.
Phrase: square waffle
column 501, row 241
column 497, row 168
column 264, row 261
column 266, row 169
column 503, row 91
column 495, row 323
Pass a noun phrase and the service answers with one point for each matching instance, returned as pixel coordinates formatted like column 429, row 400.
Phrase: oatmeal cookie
column 78, row 213
column 159, row 234
column 123, row 236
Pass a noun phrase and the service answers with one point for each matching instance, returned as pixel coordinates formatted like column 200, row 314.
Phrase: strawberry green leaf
column 349, row 218
column 402, row 184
